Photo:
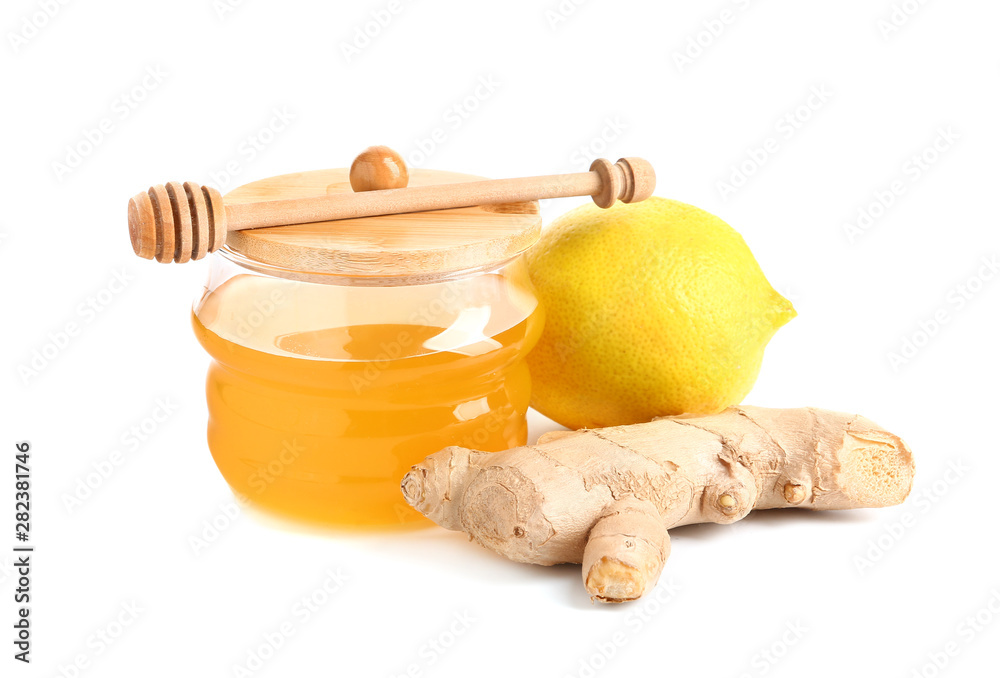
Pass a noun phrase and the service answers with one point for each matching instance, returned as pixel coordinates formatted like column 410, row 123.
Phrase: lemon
column 653, row 308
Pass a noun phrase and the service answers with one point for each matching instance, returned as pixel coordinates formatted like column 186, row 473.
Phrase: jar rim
column 348, row 280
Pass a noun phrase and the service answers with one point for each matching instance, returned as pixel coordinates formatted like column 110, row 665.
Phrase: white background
column 878, row 591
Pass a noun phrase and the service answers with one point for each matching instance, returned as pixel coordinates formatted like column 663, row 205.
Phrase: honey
column 322, row 396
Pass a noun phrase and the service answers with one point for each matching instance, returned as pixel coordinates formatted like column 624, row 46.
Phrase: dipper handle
column 180, row 222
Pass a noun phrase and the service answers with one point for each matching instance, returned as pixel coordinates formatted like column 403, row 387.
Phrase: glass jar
column 326, row 386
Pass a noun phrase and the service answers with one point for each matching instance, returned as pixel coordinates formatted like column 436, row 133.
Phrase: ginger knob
column 794, row 494
column 377, row 168
column 727, row 503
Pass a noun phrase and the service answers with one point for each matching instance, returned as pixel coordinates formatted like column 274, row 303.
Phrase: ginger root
column 606, row 497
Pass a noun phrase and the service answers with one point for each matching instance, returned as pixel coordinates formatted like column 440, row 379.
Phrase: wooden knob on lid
column 377, row 168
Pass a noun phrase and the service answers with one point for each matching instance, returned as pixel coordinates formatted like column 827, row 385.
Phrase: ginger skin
column 606, row 497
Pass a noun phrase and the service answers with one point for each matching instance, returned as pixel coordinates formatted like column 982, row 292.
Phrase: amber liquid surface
column 320, row 398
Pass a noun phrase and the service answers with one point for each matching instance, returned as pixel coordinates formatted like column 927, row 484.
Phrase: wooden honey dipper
column 183, row 222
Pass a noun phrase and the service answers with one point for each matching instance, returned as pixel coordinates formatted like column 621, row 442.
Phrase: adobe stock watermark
column 366, row 33
column 439, row 311
column 259, row 481
column 710, row 31
column 34, row 22
column 923, row 502
column 223, row 8
column 131, row 440
column 899, row 15
column 58, row 341
column 913, row 170
column 263, row 308
column 562, row 11
column 432, row 651
column 785, row 128
column 601, row 653
column 219, row 523
column 389, row 351
column 790, row 292
column 586, row 153
column 774, row 652
column 121, row 107
column 251, row 146
column 491, row 421
column 965, row 634
column 302, row 612
column 265, row 476
column 98, row 643
column 957, row 298
column 453, row 119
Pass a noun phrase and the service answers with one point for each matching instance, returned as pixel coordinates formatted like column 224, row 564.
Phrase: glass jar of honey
column 344, row 352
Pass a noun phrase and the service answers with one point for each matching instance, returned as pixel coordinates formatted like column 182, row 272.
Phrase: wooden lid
column 418, row 243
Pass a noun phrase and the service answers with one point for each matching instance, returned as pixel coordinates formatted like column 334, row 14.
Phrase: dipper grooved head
column 176, row 222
